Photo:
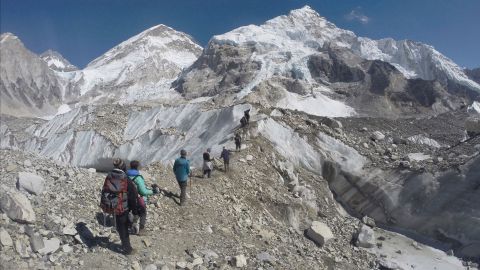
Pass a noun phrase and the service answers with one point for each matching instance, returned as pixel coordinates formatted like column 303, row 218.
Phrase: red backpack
column 114, row 198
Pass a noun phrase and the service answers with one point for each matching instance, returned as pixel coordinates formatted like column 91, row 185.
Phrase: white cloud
column 357, row 15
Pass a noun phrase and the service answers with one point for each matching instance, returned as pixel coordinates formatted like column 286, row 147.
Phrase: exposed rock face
column 220, row 68
column 30, row 182
column 16, row 205
column 28, row 87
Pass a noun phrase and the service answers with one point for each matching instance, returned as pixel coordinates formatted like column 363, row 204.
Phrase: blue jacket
column 181, row 168
column 225, row 155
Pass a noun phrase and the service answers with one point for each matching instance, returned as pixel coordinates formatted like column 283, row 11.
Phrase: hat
column 183, row 153
column 118, row 163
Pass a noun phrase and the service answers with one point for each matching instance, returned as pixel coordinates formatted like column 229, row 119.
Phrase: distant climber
column 247, row 115
column 119, row 197
column 207, row 163
column 238, row 142
column 181, row 168
column 225, row 155
column 134, row 175
column 243, row 122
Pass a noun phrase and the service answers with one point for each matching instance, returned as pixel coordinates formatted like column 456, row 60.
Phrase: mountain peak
column 56, row 61
column 7, row 36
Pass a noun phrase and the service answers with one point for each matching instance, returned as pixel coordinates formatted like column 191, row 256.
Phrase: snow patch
column 319, row 105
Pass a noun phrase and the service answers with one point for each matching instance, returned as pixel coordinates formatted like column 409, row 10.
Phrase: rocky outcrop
column 16, row 205
column 222, row 68
column 31, row 183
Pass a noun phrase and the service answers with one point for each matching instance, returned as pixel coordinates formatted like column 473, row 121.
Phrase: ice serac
column 139, row 68
column 28, row 87
column 155, row 134
column 301, row 60
column 56, row 61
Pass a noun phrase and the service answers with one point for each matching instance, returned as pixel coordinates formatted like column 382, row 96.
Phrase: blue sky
column 83, row 30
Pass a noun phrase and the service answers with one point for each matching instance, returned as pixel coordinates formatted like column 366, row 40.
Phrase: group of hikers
column 125, row 194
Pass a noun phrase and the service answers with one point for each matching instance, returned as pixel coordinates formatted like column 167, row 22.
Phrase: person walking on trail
column 225, row 155
column 119, row 197
column 207, row 164
column 243, row 121
column 181, row 168
column 246, row 114
column 134, row 175
column 238, row 142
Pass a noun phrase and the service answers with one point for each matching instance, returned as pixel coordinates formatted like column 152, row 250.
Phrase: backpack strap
column 135, row 177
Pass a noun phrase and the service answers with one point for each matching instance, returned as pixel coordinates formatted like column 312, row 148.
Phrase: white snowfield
column 285, row 42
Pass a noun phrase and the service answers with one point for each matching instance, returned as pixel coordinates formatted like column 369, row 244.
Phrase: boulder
column 249, row 157
column 36, row 241
column 369, row 221
column 51, row 245
column 319, row 233
column 5, row 238
column 22, row 248
column 240, row 261
column 30, row 183
column 331, row 123
column 69, row 230
column 377, row 136
column 16, row 205
column 366, row 237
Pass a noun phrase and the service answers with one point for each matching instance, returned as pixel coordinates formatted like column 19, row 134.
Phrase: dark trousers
column 183, row 192
column 207, row 172
column 143, row 219
column 122, row 228
column 226, row 164
column 238, row 146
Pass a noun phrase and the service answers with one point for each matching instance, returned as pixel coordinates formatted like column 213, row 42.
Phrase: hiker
column 119, row 197
column 181, row 168
column 238, row 142
column 247, row 115
column 243, row 121
column 143, row 192
column 207, row 163
column 225, row 155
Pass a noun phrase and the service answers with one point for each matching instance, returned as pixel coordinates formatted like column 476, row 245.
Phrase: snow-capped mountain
column 304, row 30
column 141, row 67
column 56, row 61
column 27, row 85
column 278, row 56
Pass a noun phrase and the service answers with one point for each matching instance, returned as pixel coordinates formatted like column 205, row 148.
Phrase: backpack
column 114, row 197
column 140, row 200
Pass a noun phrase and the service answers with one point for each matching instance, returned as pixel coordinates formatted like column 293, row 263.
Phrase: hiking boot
column 130, row 252
column 142, row 232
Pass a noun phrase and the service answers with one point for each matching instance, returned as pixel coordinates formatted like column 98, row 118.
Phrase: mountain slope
column 56, row 61
column 139, row 67
column 28, row 87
